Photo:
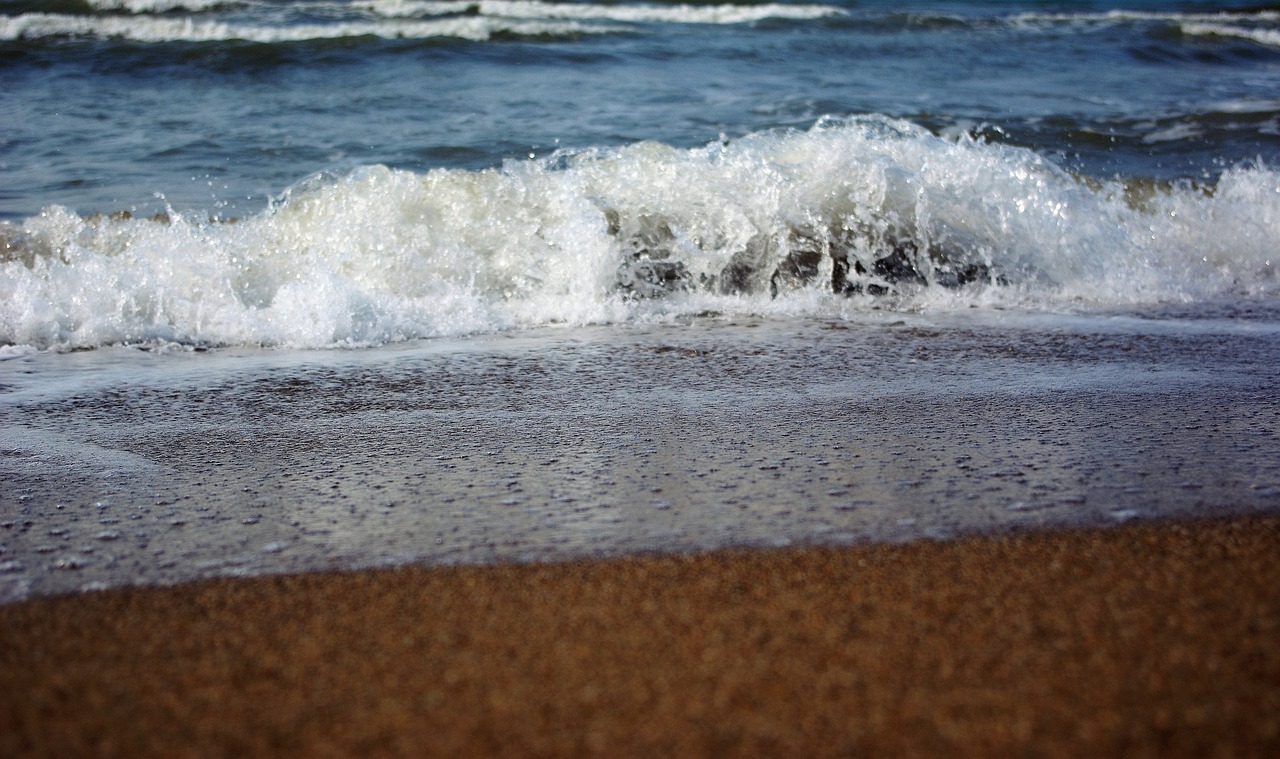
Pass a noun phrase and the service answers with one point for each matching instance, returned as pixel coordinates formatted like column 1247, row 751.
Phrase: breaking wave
column 852, row 214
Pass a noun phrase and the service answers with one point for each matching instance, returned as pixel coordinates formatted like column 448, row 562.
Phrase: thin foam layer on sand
column 124, row 468
column 1149, row 639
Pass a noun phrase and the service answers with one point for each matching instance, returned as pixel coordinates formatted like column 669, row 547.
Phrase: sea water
column 308, row 284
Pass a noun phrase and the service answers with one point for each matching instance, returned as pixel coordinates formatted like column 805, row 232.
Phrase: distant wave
column 164, row 6
column 158, row 20
column 1260, row 26
column 851, row 215
column 1267, row 37
column 1121, row 16
column 256, row 21
column 638, row 13
column 732, row 13
column 165, row 29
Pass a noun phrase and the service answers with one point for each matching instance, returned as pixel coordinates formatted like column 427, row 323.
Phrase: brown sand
column 1143, row 640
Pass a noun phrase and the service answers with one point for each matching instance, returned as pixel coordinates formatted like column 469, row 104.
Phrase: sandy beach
column 1147, row 639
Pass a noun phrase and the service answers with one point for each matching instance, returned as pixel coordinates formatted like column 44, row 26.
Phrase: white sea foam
column 1125, row 16
column 1267, row 37
column 179, row 29
column 636, row 13
column 161, row 20
column 728, row 13
column 642, row 232
column 1172, row 134
column 1256, row 26
column 152, row 21
column 161, row 6
column 1247, row 105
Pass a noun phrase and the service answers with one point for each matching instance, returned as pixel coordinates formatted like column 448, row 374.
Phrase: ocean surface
column 293, row 285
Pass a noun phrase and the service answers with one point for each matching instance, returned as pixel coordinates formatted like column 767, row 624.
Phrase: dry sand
column 1152, row 639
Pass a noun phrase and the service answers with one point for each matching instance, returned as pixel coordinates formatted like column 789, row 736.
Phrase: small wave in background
column 273, row 23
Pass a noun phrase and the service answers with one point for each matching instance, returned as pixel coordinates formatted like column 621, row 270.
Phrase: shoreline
column 563, row 444
column 1152, row 638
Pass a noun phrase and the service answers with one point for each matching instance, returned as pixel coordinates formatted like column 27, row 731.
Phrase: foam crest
column 635, row 13
column 1128, row 16
column 163, row 6
column 1267, row 37
column 154, row 29
column 157, row 21
column 851, row 215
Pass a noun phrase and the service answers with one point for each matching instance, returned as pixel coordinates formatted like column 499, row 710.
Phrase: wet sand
column 1146, row 639
column 122, row 467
